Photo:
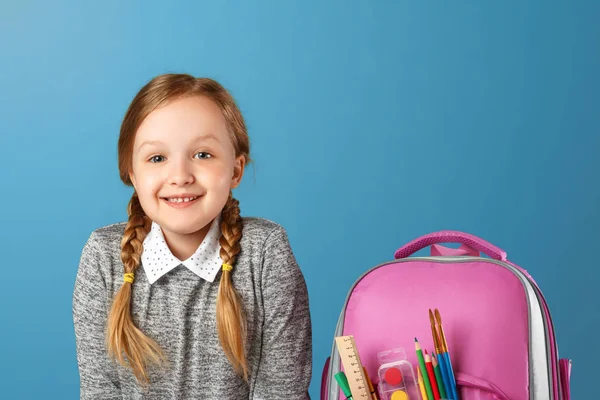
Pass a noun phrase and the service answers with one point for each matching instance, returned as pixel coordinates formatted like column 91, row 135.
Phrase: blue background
column 372, row 123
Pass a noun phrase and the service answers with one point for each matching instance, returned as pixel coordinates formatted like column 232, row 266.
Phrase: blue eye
column 156, row 159
column 203, row 155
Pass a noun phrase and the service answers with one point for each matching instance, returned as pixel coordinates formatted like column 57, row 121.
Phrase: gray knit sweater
column 178, row 311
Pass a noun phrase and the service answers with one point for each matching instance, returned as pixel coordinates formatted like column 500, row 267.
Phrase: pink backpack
column 496, row 321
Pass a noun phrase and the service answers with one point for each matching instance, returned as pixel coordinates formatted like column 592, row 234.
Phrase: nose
column 180, row 173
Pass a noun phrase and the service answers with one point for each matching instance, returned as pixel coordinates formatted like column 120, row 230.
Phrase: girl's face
column 184, row 165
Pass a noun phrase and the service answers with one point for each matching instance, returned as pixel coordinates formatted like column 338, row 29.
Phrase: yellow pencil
column 422, row 385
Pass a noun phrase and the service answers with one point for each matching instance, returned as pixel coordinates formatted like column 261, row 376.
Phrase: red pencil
column 434, row 385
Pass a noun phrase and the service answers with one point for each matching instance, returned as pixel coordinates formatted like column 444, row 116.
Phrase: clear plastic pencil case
column 396, row 375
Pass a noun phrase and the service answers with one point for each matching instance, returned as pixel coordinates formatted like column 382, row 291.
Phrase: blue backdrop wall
column 372, row 123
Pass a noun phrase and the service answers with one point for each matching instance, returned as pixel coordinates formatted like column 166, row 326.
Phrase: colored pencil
column 431, row 374
column 421, row 385
column 423, row 369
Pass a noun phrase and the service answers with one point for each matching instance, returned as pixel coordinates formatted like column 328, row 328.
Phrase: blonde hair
column 125, row 342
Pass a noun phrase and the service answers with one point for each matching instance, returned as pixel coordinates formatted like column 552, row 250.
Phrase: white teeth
column 181, row 200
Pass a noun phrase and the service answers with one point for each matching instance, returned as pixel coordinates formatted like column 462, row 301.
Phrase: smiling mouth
column 180, row 199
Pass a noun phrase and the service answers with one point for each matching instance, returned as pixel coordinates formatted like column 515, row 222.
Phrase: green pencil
column 424, row 369
column 438, row 375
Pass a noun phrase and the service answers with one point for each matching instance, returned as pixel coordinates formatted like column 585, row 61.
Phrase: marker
column 341, row 379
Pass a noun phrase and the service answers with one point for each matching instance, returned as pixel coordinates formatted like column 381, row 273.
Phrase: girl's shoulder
column 260, row 226
column 106, row 240
column 258, row 230
column 101, row 257
column 109, row 233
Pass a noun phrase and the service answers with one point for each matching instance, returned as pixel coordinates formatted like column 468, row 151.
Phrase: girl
column 191, row 300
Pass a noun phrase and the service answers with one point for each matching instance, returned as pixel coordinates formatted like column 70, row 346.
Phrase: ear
column 238, row 171
column 132, row 179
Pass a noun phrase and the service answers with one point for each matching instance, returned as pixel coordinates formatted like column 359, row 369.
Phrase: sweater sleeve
column 284, row 371
column 99, row 379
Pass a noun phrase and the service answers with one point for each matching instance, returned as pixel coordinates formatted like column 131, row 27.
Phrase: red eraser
column 393, row 376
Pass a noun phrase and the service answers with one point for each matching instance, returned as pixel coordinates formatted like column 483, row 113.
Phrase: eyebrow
column 203, row 138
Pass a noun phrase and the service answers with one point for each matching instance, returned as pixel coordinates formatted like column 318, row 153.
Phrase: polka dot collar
column 158, row 260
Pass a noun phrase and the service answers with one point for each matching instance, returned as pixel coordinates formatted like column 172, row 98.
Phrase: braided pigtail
column 231, row 324
column 125, row 342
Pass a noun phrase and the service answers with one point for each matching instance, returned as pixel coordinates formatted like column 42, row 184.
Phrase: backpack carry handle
column 463, row 250
column 466, row 239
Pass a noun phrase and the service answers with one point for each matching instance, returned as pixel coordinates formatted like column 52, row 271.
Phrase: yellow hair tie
column 227, row 267
column 128, row 277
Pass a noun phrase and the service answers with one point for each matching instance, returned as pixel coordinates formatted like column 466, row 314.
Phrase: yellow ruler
column 353, row 367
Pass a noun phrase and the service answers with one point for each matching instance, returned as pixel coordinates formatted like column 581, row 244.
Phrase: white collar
column 157, row 258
